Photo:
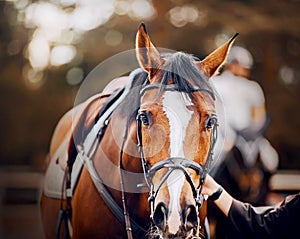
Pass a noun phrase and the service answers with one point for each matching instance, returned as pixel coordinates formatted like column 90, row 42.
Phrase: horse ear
column 213, row 62
column 147, row 55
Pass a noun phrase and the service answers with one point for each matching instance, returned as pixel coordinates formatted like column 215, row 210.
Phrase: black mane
column 131, row 103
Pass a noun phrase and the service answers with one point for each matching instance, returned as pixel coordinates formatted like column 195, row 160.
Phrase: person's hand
column 210, row 186
column 222, row 199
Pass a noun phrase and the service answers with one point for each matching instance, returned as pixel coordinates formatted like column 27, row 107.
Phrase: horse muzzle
column 174, row 224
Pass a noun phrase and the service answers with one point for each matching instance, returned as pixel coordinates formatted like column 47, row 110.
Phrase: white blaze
column 175, row 107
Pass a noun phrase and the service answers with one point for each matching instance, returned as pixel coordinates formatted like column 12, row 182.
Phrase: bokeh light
column 75, row 75
column 180, row 16
column 62, row 54
column 287, row 75
column 39, row 52
column 59, row 25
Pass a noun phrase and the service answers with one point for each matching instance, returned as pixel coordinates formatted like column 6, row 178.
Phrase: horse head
column 176, row 131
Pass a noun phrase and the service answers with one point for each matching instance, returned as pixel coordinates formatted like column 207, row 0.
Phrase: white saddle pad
column 54, row 178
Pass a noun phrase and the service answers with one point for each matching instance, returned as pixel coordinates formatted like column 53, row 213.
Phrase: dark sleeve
column 266, row 222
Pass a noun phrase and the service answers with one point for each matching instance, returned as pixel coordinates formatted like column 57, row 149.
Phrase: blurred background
column 47, row 48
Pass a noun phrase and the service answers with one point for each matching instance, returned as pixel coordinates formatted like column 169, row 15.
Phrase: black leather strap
column 216, row 194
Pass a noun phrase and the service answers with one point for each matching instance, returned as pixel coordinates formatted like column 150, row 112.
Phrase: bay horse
column 143, row 153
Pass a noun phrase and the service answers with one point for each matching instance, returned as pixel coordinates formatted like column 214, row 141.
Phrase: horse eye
column 211, row 121
column 145, row 118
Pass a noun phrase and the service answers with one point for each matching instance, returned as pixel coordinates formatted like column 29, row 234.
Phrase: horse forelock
column 180, row 69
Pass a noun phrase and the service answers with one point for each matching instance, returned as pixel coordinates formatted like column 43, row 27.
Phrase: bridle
column 176, row 163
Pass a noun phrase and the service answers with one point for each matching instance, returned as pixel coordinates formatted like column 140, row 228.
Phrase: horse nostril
column 191, row 218
column 159, row 216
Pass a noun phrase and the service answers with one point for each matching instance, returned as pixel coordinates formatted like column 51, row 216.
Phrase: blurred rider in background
column 244, row 159
column 242, row 112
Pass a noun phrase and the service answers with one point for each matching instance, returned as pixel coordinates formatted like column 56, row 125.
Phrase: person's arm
column 258, row 111
column 258, row 114
column 224, row 201
column 257, row 222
